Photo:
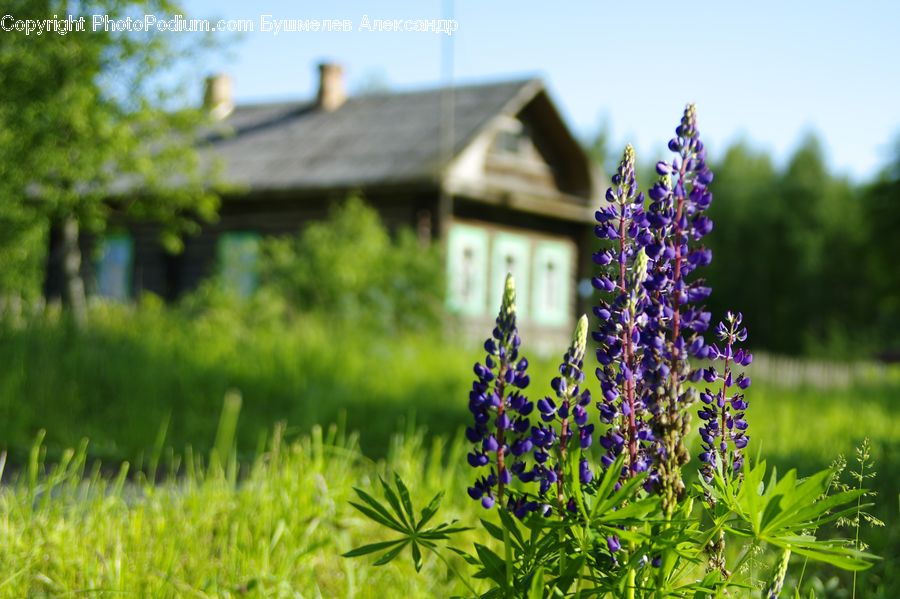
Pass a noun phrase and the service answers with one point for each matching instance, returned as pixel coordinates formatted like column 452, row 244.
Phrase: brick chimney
column 331, row 86
column 218, row 97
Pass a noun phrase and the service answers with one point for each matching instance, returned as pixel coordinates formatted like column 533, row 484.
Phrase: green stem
column 862, row 469
column 507, row 545
column 562, row 552
column 629, row 592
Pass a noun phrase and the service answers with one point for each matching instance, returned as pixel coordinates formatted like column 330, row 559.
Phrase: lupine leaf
column 395, row 503
column 509, row 522
column 493, row 564
column 492, row 529
column 417, row 556
column 404, row 497
column 390, row 555
column 841, row 557
column 607, row 482
column 371, row 548
column 385, row 517
column 377, row 517
column 430, row 510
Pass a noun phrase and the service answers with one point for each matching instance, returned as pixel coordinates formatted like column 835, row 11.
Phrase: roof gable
column 371, row 139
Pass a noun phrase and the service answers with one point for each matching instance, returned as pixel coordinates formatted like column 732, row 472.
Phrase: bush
column 350, row 269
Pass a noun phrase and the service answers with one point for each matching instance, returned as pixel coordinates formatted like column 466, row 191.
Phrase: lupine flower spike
column 499, row 408
column 621, row 317
column 675, row 323
column 562, row 420
column 724, row 430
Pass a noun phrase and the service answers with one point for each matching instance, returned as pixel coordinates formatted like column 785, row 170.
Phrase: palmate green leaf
column 510, row 524
column 603, row 511
column 749, row 499
column 430, row 510
column 417, row 556
column 607, row 483
column 818, row 511
column 790, row 497
column 493, row 566
column 393, row 553
column 371, row 548
column 830, row 552
column 384, row 516
column 404, row 498
column 443, row 531
column 395, row 503
column 402, row 520
column 492, row 529
column 377, row 517
column 467, row 557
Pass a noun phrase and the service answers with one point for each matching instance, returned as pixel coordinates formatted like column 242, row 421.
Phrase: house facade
column 490, row 171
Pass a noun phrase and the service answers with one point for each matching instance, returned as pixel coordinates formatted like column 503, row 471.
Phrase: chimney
column 331, row 86
column 217, row 97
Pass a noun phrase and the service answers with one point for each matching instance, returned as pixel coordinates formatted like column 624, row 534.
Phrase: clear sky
column 767, row 71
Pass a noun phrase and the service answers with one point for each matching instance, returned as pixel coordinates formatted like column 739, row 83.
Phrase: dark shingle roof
column 371, row 139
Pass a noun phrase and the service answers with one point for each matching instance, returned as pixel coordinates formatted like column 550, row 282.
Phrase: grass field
column 140, row 381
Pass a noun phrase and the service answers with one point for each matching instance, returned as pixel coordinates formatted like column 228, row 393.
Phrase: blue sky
column 765, row 71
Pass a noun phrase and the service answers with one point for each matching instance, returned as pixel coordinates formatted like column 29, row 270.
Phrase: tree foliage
column 93, row 130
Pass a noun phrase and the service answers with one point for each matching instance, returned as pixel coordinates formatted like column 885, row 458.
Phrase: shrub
column 388, row 283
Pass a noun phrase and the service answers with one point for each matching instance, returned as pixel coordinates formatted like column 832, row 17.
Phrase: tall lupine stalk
column 621, row 317
column 677, row 323
column 497, row 405
column 723, row 431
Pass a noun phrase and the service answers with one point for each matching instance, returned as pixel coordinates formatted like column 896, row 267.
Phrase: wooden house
column 490, row 171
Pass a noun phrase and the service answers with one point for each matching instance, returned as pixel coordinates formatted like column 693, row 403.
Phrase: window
column 467, row 270
column 113, row 266
column 511, row 138
column 238, row 258
column 511, row 255
column 552, row 283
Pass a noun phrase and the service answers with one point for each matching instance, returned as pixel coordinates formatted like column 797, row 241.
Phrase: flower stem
column 629, row 591
column 507, row 545
column 862, row 469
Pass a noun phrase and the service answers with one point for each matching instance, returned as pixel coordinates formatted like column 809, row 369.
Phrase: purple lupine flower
column 499, row 409
column 724, row 433
column 613, row 543
column 676, row 323
column 568, row 412
column 622, row 318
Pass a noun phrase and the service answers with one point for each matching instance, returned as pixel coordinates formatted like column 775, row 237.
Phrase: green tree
column 882, row 217
column 747, row 239
column 94, row 130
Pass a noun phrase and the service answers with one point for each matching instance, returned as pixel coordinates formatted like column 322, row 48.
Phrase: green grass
column 138, row 374
column 279, row 532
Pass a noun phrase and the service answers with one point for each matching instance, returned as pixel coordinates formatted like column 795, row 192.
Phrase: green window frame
column 511, row 253
column 467, row 272
column 552, row 290
column 114, row 266
column 238, row 256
